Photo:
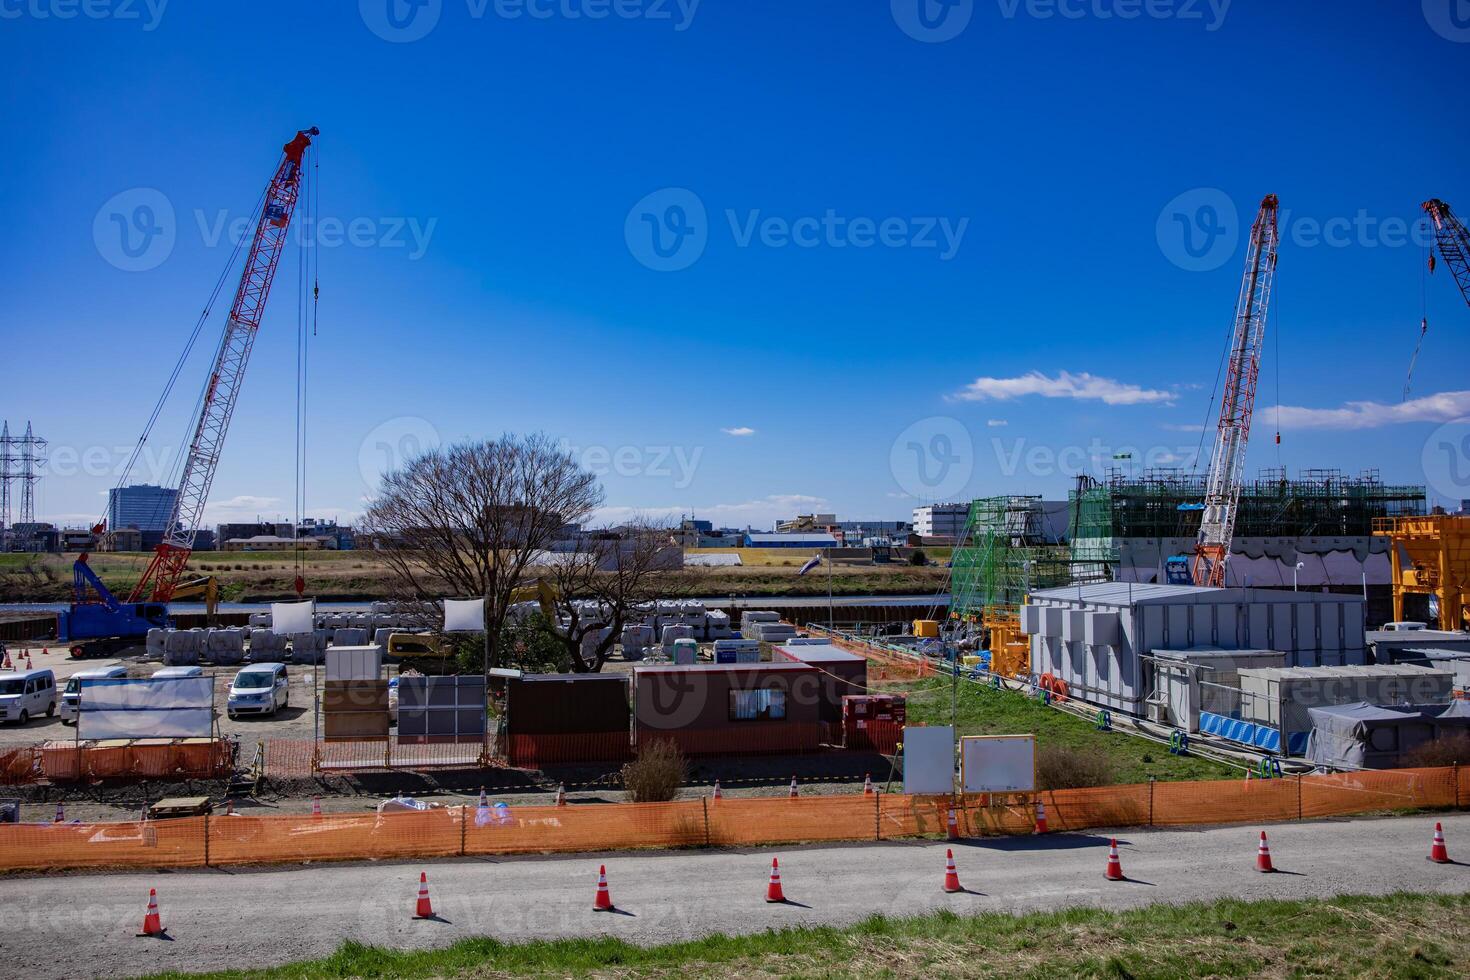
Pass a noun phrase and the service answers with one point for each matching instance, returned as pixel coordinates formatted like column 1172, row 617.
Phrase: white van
column 73, row 689
column 169, row 673
column 24, row 694
column 261, row 689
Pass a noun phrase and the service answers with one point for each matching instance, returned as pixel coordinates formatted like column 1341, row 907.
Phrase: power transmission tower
column 7, row 475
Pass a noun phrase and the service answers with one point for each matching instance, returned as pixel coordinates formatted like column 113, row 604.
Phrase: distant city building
column 795, row 540
column 271, row 542
column 147, row 508
column 806, row 522
column 122, row 539
column 941, row 520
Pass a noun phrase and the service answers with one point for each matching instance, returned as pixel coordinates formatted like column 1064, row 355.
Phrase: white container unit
column 354, row 663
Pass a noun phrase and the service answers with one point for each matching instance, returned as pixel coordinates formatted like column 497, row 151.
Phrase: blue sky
column 898, row 258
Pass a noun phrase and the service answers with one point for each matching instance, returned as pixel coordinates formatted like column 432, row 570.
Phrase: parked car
column 1407, row 626
column 24, row 694
column 260, row 689
column 167, row 673
column 73, row 689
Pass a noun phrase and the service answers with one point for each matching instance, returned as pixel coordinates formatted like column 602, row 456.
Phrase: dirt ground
column 821, row 774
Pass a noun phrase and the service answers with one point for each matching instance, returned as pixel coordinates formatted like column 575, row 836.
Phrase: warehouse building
column 730, row 709
column 1102, row 640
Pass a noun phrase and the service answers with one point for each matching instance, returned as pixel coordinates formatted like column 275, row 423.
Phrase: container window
column 762, row 705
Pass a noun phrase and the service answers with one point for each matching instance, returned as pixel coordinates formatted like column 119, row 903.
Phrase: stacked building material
column 354, row 695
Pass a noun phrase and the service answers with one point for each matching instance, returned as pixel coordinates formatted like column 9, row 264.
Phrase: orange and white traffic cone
column 718, row 794
column 7, row 665
column 229, row 808
column 1115, row 867
column 1263, row 855
column 45, row 652
column 424, row 909
column 953, row 825
column 773, row 890
column 152, row 924
column 793, row 794
column 484, row 800
column 1040, row 817
column 561, row 794
column 1438, row 853
column 868, row 784
column 29, row 665
column 60, row 813
column 951, row 873
column 603, row 902
column 316, row 807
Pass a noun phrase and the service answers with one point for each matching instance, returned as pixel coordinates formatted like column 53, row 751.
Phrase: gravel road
column 84, row 925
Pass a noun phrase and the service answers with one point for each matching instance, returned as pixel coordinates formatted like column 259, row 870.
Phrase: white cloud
column 1082, row 387
column 1445, row 406
column 243, row 507
column 996, row 423
column 739, row 430
column 1182, row 427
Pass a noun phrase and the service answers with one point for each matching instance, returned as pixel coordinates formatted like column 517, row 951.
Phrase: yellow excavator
column 427, row 653
column 205, row 587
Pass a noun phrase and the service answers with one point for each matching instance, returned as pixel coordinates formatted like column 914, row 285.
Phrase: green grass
column 986, row 711
column 1403, row 935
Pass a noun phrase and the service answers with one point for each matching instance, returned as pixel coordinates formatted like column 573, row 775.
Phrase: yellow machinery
column 430, row 653
column 926, row 629
column 1010, row 653
column 206, row 588
column 1430, row 556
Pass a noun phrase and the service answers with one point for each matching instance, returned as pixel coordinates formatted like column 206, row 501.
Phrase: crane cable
column 1424, row 270
column 307, row 269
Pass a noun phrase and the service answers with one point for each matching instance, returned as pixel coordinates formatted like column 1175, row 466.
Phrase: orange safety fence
column 153, row 758
column 472, row 830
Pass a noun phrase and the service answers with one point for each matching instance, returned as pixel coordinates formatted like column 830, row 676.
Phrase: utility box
column 362, row 663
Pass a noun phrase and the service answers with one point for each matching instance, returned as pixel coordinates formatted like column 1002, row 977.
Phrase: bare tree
column 467, row 520
column 602, row 584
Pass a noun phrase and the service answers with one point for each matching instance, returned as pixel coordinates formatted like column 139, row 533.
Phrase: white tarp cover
column 464, row 615
column 293, row 617
column 164, row 707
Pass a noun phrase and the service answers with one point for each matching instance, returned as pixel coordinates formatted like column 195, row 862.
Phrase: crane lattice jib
column 1237, row 405
column 1454, row 243
column 223, row 387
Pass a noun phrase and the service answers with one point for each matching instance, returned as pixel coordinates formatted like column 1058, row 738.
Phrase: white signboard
column 172, row 707
column 998, row 763
column 928, row 761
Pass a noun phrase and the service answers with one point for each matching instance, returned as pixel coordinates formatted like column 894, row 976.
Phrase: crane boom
column 223, row 388
column 1227, row 462
column 1454, row 243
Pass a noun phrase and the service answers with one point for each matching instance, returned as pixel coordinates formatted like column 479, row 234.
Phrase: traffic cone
column 424, row 909
column 316, row 807
column 868, row 784
column 152, row 924
column 718, row 794
column 954, row 825
column 60, row 813
column 773, row 890
column 1040, row 817
column 7, row 665
column 29, row 666
column 45, row 652
column 792, row 794
column 229, row 808
column 1437, row 851
column 484, row 800
column 1115, row 867
column 561, row 795
column 951, row 874
column 604, row 898
column 1263, row 855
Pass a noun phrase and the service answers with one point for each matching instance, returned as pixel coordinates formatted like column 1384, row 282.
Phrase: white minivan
column 25, row 694
column 260, row 689
column 74, row 688
column 168, row 673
